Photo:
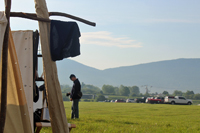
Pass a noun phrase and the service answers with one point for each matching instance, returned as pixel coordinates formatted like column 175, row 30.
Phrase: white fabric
column 3, row 24
column 23, row 41
column 17, row 118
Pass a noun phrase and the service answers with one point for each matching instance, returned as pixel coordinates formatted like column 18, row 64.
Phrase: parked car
column 140, row 100
column 177, row 100
column 130, row 100
column 120, row 101
column 146, row 101
column 112, row 101
column 156, row 100
column 107, row 100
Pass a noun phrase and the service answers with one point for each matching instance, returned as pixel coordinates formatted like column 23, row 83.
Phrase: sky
column 128, row 32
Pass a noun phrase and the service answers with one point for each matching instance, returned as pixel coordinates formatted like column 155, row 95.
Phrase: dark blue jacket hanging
column 64, row 40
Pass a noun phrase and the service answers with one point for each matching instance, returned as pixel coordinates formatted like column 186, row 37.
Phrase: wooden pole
column 72, row 17
column 34, row 17
column 54, row 95
column 4, row 68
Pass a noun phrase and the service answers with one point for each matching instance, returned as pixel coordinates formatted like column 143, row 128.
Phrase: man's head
column 72, row 77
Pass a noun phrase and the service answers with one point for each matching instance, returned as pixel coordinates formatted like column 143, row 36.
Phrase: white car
column 130, row 101
column 146, row 101
column 112, row 101
column 177, row 100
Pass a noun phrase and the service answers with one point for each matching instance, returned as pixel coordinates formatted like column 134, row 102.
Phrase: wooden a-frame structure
column 56, row 108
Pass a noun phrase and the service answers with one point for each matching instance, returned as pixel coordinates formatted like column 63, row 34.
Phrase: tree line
column 106, row 89
column 122, row 90
column 129, row 91
column 188, row 94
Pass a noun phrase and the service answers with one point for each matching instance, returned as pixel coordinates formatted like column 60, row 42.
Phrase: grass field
column 134, row 118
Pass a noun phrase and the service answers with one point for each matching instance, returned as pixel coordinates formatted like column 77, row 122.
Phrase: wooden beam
column 28, row 16
column 54, row 95
column 4, row 68
column 72, row 17
column 34, row 17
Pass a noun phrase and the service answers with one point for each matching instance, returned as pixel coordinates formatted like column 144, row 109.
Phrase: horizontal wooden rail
column 33, row 16
column 40, row 125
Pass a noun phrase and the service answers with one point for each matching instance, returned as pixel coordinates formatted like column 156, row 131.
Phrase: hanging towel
column 3, row 24
column 23, row 42
column 64, row 40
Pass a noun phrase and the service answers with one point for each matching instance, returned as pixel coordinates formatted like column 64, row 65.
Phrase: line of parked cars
column 160, row 100
column 167, row 99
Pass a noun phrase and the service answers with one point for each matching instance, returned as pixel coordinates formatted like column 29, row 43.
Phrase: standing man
column 74, row 96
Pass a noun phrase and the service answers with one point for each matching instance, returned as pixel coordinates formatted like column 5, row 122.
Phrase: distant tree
column 165, row 93
column 117, row 91
column 83, row 85
column 89, row 89
column 100, row 98
column 101, row 92
column 177, row 93
column 189, row 94
column 108, row 89
column 133, row 95
column 65, row 88
column 135, row 90
column 141, row 95
column 124, row 90
column 146, row 95
column 197, row 96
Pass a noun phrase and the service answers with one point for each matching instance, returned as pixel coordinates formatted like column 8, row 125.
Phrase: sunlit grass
column 134, row 117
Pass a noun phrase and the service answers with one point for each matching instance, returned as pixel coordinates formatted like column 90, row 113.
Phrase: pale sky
column 128, row 32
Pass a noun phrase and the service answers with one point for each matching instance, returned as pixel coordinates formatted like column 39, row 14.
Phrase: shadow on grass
column 100, row 120
column 168, row 125
column 130, row 123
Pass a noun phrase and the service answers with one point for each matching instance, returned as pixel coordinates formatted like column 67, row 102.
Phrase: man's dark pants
column 75, row 110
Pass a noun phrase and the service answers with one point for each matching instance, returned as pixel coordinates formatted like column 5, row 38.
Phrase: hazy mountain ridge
column 180, row 74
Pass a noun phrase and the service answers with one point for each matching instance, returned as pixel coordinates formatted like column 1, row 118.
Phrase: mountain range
column 168, row 75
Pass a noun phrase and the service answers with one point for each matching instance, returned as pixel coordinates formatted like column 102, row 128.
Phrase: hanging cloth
column 17, row 114
column 64, row 40
column 23, row 43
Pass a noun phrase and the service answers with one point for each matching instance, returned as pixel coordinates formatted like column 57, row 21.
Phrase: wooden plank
column 4, row 68
column 40, row 125
column 55, row 102
column 45, row 124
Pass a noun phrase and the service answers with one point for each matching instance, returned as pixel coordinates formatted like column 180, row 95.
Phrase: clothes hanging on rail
column 64, row 40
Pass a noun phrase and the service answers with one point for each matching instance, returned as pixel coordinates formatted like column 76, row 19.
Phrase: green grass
column 196, row 102
column 134, row 118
